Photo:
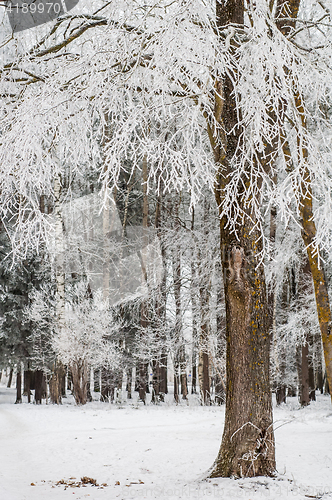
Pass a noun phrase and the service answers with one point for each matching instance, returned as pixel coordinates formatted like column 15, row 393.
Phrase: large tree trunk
column 247, row 447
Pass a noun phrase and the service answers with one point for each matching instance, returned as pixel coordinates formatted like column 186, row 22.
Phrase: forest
column 165, row 217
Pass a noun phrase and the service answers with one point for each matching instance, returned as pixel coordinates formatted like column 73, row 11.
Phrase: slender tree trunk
column 194, row 312
column 58, row 370
column 27, row 384
column 279, row 347
column 142, row 380
column 163, row 375
column 304, row 392
column 129, row 382
column 312, row 386
column 180, row 365
column 96, row 380
column 155, row 381
column 308, row 378
column 18, row 387
column 105, row 392
column 203, row 363
column 142, row 366
column 9, row 383
column 319, row 368
column 304, row 193
column 176, row 387
column 38, row 386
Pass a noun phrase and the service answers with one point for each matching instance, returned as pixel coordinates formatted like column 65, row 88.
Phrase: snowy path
column 153, row 452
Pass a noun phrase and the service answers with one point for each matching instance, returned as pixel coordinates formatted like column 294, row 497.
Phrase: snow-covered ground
column 152, row 452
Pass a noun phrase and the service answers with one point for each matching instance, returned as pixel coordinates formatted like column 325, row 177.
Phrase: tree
column 244, row 106
column 88, row 337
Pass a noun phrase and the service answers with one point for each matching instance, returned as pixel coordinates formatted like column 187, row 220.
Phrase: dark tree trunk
column 203, row 365
column 10, row 378
column 18, row 388
column 304, row 393
column 160, row 306
column 163, row 375
column 291, row 391
column 129, row 382
column 312, row 388
column 96, row 381
column 326, row 385
column 307, row 372
column 88, row 391
column 281, row 394
column 183, row 373
column 155, row 397
column 27, row 384
column 62, row 382
column 194, row 373
column 142, row 381
column 320, row 375
column 176, row 388
column 288, row 291
column 56, row 384
column 105, row 392
column 194, row 313
column 180, row 375
column 38, row 386
column 69, row 381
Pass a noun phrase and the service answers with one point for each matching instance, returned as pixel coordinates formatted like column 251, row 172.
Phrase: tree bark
column 9, row 383
column 163, row 375
column 160, row 366
column 194, row 311
column 96, row 380
column 57, row 369
column 81, row 375
column 129, row 382
column 220, row 388
column 304, row 380
column 38, row 386
column 180, row 374
column 247, row 447
column 18, row 387
column 106, row 385
column 279, row 348
column 309, row 232
column 27, row 384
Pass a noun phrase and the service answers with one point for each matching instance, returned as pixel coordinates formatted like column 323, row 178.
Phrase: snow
column 153, row 452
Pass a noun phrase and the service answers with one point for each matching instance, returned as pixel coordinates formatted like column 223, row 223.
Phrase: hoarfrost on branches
column 138, row 81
